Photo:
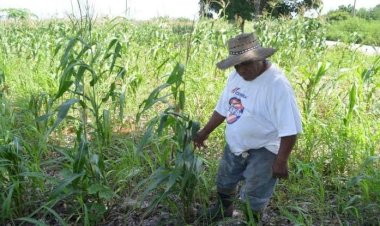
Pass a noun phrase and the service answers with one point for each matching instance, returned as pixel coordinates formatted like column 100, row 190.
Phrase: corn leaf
column 62, row 112
column 176, row 75
column 63, row 185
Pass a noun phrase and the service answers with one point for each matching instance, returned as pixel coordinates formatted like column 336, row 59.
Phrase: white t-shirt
column 259, row 112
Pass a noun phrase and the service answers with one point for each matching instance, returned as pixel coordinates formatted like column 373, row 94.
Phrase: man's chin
column 247, row 78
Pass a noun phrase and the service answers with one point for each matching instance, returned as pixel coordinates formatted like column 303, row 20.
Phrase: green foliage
column 243, row 9
column 86, row 89
column 344, row 12
column 80, row 73
column 363, row 26
column 375, row 13
column 312, row 88
column 338, row 15
column 13, row 184
column 295, row 38
column 369, row 14
column 286, row 8
column 181, row 171
column 84, row 64
column 2, row 84
column 20, row 14
column 355, row 30
column 246, row 8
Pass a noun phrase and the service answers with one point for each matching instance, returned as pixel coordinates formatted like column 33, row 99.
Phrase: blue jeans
column 255, row 170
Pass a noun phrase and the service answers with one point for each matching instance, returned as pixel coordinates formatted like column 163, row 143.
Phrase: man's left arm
column 280, row 166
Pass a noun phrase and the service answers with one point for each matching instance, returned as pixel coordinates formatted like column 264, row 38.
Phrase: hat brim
column 256, row 54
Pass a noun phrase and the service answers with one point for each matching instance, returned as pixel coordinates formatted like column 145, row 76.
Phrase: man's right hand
column 202, row 135
column 200, row 138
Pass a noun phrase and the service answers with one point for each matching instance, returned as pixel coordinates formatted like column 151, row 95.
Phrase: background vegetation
column 97, row 119
column 346, row 24
column 361, row 28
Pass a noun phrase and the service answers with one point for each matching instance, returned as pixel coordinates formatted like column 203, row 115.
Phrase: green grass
column 355, row 30
column 91, row 164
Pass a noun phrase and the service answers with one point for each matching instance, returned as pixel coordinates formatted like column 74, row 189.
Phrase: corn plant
column 181, row 171
column 369, row 84
column 2, row 84
column 352, row 103
column 12, row 164
column 360, row 96
column 85, row 67
column 40, row 105
column 3, row 91
column 59, row 146
column 13, row 184
column 311, row 87
column 294, row 37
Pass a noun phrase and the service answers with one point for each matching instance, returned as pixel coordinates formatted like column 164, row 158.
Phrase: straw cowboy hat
column 242, row 48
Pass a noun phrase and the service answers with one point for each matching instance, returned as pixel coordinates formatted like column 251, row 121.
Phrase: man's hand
column 280, row 165
column 202, row 135
column 200, row 138
column 280, row 169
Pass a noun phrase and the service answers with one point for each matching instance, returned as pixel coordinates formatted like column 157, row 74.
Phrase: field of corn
column 97, row 120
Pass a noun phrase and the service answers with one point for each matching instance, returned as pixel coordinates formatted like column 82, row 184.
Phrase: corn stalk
column 181, row 173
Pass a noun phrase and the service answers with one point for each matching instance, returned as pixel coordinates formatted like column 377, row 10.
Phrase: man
column 263, row 121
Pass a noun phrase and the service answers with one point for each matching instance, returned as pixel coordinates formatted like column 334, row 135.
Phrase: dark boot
column 224, row 208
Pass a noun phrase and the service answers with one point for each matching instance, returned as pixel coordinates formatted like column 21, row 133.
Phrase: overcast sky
column 139, row 9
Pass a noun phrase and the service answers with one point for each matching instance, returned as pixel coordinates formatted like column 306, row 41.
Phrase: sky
column 139, row 9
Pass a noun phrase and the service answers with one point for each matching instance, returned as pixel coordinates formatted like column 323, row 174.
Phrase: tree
column 248, row 9
column 344, row 12
column 256, row 4
column 375, row 13
column 241, row 10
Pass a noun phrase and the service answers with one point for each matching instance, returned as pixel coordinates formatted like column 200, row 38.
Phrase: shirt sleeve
column 223, row 105
column 284, row 111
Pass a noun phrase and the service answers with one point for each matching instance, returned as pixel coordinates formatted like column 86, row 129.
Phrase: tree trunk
column 126, row 8
column 201, row 9
column 240, row 21
column 256, row 4
column 242, row 25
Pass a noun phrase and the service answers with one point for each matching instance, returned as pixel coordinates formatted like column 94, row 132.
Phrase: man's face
column 249, row 70
column 236, row 103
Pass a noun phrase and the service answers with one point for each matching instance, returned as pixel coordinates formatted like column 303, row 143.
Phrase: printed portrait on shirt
column 235, row 110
